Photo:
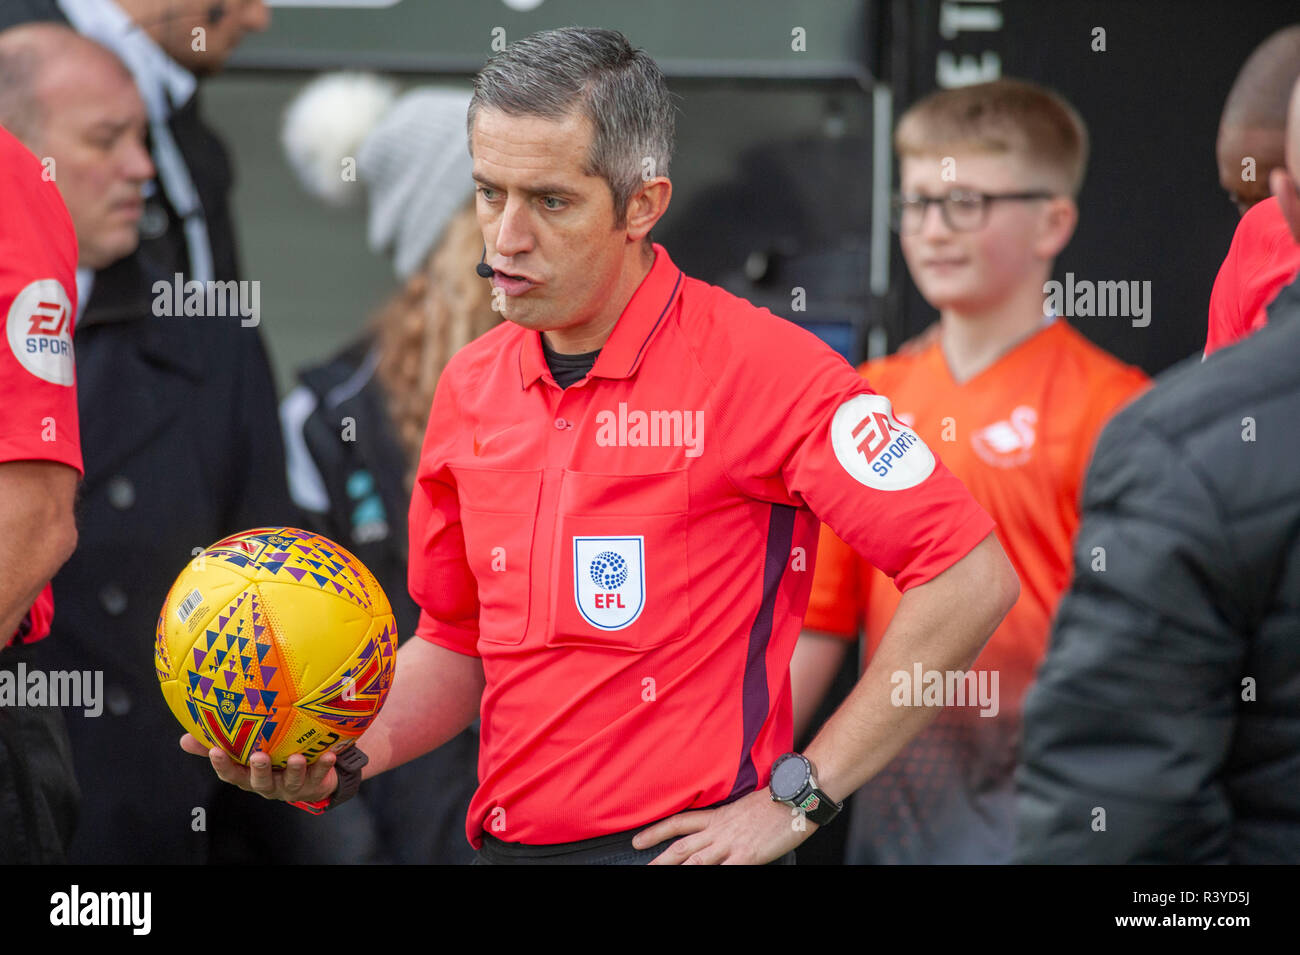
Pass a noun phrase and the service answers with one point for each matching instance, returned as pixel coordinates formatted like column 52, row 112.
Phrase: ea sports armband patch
column 39, row 331
column 876, row 448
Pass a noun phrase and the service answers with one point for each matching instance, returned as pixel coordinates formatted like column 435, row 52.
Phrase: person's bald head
column 1285, row 179
column 73, row 103
column 37, row 58
column 1254, row 117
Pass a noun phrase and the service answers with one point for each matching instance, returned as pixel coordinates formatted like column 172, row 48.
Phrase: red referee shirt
column 38, row 302
column 632, row 556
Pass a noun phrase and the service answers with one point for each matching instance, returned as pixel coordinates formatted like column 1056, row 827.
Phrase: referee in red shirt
column 40, row 464
column 616, row 514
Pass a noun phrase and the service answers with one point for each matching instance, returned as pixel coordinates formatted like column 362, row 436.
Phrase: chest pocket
column 498, row 511
column 622, row 568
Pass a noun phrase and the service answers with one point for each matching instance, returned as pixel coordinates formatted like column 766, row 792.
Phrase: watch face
column 789, row 777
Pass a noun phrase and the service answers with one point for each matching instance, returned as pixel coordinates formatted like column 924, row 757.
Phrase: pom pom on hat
column 326, row 123
column 410, row 150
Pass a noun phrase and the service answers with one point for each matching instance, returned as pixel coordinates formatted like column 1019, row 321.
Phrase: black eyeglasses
column 963, row 210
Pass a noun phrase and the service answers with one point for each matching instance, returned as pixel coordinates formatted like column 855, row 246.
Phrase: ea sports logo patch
column 876, row 448
column 39, row 329
column 609, row 580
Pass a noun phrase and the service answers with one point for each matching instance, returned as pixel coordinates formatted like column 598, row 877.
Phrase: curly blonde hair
column 441, row 308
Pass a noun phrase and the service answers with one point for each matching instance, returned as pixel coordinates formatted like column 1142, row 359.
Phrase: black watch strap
column 819, row 807
column 348, row 766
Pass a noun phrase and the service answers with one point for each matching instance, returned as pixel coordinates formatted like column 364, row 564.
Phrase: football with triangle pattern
column 275, row 640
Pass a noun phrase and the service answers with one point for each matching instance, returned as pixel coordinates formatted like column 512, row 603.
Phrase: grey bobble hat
column 410, row 153
column 416, row 164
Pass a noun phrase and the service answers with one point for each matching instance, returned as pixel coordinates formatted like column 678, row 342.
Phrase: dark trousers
column 38, row 790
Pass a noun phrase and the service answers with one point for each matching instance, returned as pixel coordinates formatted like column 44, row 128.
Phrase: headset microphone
column 483, row 269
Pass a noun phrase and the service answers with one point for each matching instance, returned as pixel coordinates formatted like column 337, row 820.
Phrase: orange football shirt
column 1019, row 435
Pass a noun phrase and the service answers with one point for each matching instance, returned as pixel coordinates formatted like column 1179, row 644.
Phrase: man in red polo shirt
column 40, row 463
column 616, row 515
column 1263, row 257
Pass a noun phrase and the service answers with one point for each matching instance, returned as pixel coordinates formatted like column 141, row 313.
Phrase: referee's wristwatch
column 793, row 783
column 348, row 765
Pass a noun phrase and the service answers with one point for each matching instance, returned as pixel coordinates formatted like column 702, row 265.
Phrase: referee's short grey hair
column 596, row 72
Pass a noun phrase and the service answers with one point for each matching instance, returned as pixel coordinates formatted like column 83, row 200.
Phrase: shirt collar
column 164, row 84
column 85, row 285
column 642, row 317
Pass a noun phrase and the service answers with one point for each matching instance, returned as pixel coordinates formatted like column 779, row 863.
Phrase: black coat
column 181, row 444
column 1168, row 706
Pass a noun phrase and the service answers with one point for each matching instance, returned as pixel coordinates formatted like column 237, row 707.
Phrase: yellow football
column 275, row 640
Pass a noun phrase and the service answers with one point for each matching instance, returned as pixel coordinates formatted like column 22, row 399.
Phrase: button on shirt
column 631, row 556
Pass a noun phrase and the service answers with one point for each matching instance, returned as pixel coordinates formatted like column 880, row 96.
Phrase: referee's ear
column 646, row 206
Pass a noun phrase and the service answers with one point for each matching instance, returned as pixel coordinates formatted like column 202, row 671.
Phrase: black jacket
column 181, row 444
column 1165, row 722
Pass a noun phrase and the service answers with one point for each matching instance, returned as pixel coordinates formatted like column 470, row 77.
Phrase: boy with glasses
column 1013, row 398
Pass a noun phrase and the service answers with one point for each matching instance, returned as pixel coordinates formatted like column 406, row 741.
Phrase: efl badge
column 609, row 580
